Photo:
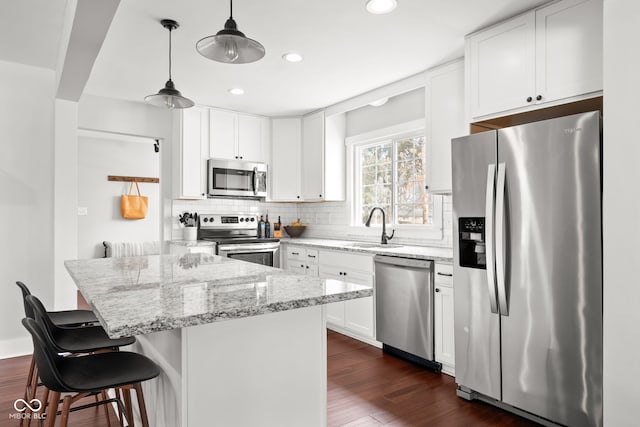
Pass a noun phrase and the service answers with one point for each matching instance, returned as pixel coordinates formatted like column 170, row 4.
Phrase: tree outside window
column 392, row 176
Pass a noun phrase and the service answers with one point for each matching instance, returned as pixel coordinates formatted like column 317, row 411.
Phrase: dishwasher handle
column 404, row 262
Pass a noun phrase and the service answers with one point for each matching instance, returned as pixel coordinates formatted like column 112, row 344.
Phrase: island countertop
column 139, row 295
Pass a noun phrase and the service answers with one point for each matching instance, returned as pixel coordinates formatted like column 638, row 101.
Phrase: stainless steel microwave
column 236, row 178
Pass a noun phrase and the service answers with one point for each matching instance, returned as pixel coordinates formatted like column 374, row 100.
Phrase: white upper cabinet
column 569, row 49
column 501, row 64
column 286, row 135
column 323, row 157
column 191, row 127
column 445, row 119
column 313, row 156
column 536, row 59
column 237, row 136
column 250, row 138
column 222, row 134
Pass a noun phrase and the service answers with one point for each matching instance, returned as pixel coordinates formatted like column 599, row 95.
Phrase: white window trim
column 403, row 231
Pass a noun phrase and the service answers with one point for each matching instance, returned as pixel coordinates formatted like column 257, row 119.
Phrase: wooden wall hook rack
column 132, row 179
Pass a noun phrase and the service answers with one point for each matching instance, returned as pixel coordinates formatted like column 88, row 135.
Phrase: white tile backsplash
column 325, row 219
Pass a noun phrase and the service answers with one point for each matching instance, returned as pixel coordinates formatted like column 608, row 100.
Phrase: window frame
column 354, row 143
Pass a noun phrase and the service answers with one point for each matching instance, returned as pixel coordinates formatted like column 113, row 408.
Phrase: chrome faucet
column 384, row 239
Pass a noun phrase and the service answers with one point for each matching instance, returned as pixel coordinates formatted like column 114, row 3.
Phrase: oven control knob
column 253, row 219
column 241, row 219
column 206, row 220
column 246, row 219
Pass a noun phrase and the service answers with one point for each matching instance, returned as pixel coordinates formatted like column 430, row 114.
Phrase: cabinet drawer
column 362, row 263
column 444, row 274
column 295, row 253
column 311, row 256
column 346, row 274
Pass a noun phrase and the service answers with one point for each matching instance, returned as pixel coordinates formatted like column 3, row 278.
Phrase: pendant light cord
column 170, row 53
column 231, row 9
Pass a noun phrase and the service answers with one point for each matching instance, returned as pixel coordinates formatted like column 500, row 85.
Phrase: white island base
column 267, row 370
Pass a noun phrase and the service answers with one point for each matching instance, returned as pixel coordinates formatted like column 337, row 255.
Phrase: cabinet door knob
column 539, row 97
column 340, row 273
column 301, row 265
column 437, row 289
column 307, row 266
column 203, row 194
column 320, row 195
column 298, row 197
column 241, row 157
column 529, row 99
column 345, row 273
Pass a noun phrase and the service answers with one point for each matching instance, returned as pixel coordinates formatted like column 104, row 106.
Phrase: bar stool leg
column 52, row 408
column 104, row 396
column 126, row 391
column 27, row 387
column 141, row 405
column 66, row 406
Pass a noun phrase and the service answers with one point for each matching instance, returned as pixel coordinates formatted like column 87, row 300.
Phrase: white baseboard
column 343, row 331
column 15, row 347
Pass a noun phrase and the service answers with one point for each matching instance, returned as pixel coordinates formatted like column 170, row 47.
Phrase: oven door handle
column 246, row 249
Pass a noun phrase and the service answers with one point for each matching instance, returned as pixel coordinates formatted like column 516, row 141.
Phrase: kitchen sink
column 374, row 245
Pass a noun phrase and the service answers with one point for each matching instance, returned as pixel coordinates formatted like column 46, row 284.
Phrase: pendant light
column 230, row 45
column 169, row 96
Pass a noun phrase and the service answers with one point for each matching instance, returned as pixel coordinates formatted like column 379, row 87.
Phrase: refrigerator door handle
column 489, row 226
column 499, row 241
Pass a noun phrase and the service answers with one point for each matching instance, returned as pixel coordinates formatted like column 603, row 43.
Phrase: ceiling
column 347, row 51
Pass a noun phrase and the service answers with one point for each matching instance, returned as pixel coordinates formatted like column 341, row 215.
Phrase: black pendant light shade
column 169, row 96
column 230, row 45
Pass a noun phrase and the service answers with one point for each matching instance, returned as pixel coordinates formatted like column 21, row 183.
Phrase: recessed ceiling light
column 379, row 7
column 236, row 91
column 292, row 57
column 379, row 102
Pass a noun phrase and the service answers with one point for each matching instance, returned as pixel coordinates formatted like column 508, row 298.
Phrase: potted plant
column 190, row 223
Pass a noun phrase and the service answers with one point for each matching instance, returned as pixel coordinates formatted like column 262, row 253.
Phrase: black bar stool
column 87, row 375
column 77, row 340
column 67, row 318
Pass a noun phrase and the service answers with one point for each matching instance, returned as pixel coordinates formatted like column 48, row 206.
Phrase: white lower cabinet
column 443, row 322
column 301, row 260
column 354, row 318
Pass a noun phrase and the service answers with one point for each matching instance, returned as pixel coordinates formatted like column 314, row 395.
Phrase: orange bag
column 133, row 206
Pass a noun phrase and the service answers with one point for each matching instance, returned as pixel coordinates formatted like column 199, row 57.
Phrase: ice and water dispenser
column 472, row 242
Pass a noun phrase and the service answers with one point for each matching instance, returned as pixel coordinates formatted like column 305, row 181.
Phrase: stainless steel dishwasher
column 403, row 296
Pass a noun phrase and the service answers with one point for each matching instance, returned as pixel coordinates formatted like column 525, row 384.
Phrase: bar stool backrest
column 46, row 357
column 42, row 318
column 28, row 311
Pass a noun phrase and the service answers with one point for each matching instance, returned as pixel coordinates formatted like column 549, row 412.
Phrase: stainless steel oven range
column 236, row 236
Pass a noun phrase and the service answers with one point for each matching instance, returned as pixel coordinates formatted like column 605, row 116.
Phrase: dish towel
column 125, row 249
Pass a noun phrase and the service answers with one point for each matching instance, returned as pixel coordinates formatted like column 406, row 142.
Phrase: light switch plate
column 82, row 211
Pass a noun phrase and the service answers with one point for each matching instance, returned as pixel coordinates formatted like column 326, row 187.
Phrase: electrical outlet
column 82, row 211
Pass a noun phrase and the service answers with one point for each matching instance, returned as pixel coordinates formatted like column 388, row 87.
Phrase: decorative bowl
column 295, row 230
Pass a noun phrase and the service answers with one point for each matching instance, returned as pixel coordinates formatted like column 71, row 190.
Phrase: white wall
column 621, row 211
column 138, row 119
column 65, row 196
column 26, row 196
column 101, row 155
column 398, row 109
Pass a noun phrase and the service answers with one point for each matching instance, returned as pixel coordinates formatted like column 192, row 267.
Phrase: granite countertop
column 406, row 251
column 139, row 295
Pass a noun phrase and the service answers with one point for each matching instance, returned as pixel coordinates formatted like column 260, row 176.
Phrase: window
column 390, row 173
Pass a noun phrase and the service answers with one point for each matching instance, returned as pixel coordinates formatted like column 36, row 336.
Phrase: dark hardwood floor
column 370, row 388
column 365, row 388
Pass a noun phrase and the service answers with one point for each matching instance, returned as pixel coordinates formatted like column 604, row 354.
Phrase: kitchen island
column 239, row 344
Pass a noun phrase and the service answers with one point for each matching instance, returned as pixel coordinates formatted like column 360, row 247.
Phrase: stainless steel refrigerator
column 528, row 268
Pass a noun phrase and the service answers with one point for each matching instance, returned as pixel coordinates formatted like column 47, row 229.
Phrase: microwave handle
column 255, row 181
